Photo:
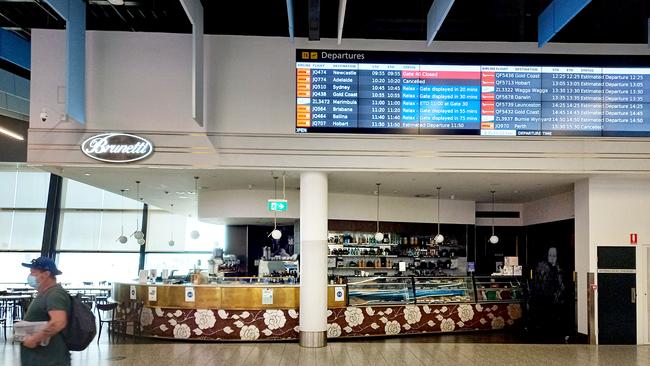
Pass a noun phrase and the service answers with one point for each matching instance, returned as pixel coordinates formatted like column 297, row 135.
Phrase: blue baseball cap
column 44, row 264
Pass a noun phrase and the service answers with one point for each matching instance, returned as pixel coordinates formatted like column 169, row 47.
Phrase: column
column 313, row 259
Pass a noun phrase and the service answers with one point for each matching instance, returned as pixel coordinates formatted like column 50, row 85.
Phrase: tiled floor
column 411, row 351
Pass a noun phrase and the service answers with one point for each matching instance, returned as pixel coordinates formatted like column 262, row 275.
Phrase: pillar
column 313, row 259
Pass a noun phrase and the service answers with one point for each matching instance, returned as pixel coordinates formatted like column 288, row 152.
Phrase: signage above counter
column 117, row 147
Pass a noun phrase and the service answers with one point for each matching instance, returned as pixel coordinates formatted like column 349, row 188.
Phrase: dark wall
column 12, row 150
column 511, row 244
column 551, row 263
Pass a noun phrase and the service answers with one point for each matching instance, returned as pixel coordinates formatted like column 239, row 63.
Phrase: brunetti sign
column 117, row 147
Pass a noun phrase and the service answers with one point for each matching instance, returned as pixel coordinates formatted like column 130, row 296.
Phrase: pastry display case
column 443, row 290
column 380, row 290
column 500, row 289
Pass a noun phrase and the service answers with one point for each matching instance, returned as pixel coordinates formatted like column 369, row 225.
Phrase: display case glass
column 380, row 290
column 500, row 289
column 443, row 290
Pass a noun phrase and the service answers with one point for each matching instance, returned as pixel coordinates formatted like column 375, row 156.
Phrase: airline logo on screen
column 331, row 56
column 117, row 147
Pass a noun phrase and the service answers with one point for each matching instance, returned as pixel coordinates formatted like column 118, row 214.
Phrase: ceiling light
column 116, row 2
column 87, row 174
column 379, row 236
column 438, row 238
column 11, row 134
column 493, row 239
column 275, row 234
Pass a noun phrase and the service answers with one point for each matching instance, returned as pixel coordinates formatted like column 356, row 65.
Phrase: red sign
column 594, row 287
column 633, row 238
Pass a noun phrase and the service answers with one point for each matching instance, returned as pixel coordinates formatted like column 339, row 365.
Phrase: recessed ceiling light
column 125, row 189
column 183, row 197
column 87, row 174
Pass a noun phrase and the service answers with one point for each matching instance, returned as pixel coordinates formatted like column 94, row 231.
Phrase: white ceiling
column 510, row 188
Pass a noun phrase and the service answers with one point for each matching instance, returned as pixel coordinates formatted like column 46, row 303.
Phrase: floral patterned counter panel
column 343, row 322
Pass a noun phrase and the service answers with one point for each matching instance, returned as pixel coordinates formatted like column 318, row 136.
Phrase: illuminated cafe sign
column 117, row 147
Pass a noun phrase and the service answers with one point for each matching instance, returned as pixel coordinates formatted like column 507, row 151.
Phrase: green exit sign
column 277, row 205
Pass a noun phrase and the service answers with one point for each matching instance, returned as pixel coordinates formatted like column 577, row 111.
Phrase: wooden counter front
column 220, row 296
column 236, row 313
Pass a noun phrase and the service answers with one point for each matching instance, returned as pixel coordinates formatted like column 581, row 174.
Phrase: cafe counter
column 363, row 307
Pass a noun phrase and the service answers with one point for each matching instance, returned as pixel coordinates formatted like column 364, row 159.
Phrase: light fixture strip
column 11, row 134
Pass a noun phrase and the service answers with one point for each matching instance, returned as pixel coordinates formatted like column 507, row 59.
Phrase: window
column 93, row 219
column 22, row 209
column 94, row 267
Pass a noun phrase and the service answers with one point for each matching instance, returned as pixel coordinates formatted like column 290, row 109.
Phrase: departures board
column 426, row 93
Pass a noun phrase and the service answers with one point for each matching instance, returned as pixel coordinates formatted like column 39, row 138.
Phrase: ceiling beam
column 436, row 16
column 194, row 11
column 556, row 15
column 342, row 4
column 314, row 20
column 290, row 18
column 74, row 13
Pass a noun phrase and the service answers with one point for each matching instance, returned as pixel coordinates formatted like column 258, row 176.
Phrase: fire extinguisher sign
column 633, row 238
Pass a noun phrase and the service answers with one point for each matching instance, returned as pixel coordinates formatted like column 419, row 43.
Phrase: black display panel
column 472, row 94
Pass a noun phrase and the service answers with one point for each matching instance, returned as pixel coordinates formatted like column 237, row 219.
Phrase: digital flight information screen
column 502, row 95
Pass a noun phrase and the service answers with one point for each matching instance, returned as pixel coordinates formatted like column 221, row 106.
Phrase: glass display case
column 380, row 290
column 500, row 289
column 443, row 290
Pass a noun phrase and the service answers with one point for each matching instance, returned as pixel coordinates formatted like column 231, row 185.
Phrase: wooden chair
column 107, row 314
column 3, row 319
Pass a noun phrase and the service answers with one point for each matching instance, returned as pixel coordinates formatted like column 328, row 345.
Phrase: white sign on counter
column 153, row 293
column 339, row 293
column 267, row 296
column 190, row 295
column 132, row 292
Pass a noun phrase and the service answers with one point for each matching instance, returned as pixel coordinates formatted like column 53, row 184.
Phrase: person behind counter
column 52, row 304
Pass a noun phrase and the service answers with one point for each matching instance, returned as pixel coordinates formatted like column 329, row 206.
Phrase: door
column 617, row 295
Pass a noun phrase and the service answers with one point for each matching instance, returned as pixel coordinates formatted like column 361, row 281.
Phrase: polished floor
column 454, row 350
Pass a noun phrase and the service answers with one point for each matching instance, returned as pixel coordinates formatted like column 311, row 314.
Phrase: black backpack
column 81, row 329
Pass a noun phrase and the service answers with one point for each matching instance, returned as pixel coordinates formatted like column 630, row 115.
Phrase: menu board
column 352, row 92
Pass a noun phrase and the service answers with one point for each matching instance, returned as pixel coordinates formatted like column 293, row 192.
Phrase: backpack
column 81, row 329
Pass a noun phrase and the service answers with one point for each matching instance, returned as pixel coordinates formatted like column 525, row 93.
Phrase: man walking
column 52, row 304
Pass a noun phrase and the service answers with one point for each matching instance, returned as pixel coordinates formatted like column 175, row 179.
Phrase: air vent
column 422, row 195
column 498, row 214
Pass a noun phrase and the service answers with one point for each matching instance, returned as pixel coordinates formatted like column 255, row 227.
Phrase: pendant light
column 438, row 238
column 171, row 242
column 194, row 234
column 379, row 236
column 122, row 239
column 275, row 234
column 138, row 234
column 493, row 239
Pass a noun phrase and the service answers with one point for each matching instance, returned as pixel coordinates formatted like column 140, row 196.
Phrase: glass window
column 27, row 233
column 95, row 267
column 11, row 270
column 93, row 219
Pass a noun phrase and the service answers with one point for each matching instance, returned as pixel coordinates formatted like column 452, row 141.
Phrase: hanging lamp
column 493, row 239
column 194, row 234
column 439, row 238
column 379, row 236
column 171, row 242
column 275, row 234
column 122, row 239
column 138, row 234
